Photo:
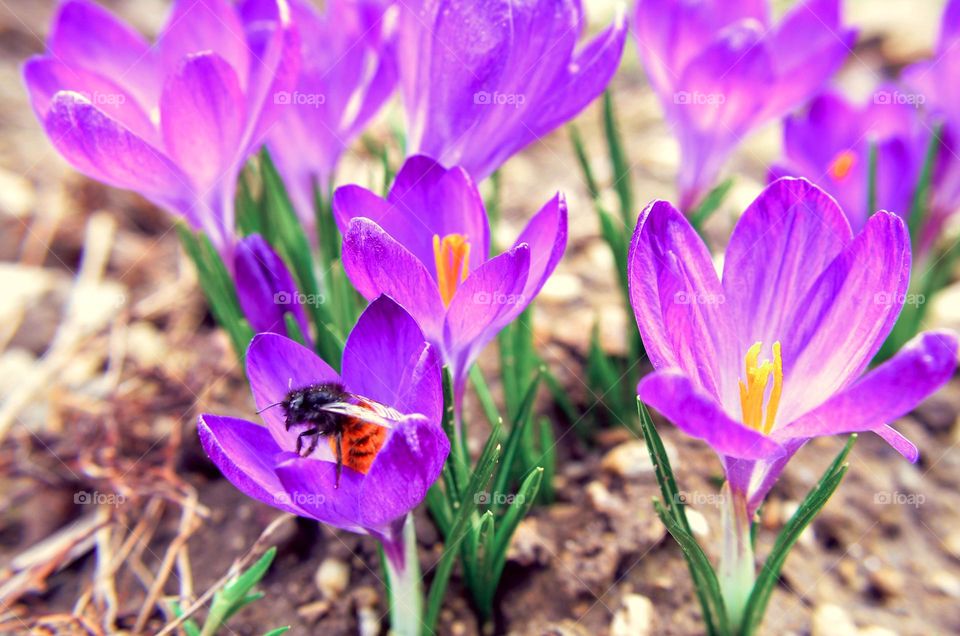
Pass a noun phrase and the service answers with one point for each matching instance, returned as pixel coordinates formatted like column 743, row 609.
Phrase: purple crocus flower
column 265, row 288
column 830, row 145
column 935, row 83
column 481, row 79
column 348, row 72
column 175, row 120
column 385, row 360
column 770, row 355
column 426, row 246
column 720, row 69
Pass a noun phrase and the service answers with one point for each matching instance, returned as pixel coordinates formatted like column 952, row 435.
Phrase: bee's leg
column 311, row 431
column 339, row 438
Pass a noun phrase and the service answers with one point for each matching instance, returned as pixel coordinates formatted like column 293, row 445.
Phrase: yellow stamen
column 452, row 256
column 842, row 165
column 753, row 389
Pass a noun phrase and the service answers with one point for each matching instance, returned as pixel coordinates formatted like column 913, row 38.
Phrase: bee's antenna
column 269, row 406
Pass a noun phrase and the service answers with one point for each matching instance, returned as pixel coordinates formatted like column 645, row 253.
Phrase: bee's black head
column 305, row 405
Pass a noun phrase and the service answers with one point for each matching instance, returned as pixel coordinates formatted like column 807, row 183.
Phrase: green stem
column 404, row 582
column 737, row 570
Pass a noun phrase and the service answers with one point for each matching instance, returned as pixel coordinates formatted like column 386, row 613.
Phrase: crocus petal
column 405, row 468
column 785, row 239
column 385, row 360
column 244, row 453
column 838, row 328
column 699, row 415
column 377, row 264
column 546, row 234
column 202, row 114
column 101, row 148
column 265, row 287
column 589, row 72
column 312, row 485
column 275, row 365
column 115, row 51
column 491, row 297
column 205, row 25
column 715, row 104
column 810, row 46
column 47, row 76
column 890, row 391
column 274, row 46
column 677, row 297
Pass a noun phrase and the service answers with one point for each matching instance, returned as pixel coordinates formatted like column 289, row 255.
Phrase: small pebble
column 833, row 620
column 332, row 578
column 635, row 618
column 628, row 460
column 887, row 581
column 698, row 523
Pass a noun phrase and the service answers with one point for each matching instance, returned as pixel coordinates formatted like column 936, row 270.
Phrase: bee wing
column 369, row 411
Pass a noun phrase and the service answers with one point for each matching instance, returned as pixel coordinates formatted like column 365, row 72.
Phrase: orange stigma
column 753, row 389
column 842, row 164
column 452, row 254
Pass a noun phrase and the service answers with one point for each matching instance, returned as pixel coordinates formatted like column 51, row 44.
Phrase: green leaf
column 487, row 402
column 710, row 204
column 705, row 580
column 486, row 464
column 872, row 179
column 561, row 397
column 240, row 587
column 920, row 205
column 808, row 510
column 218, row 287
column 618, row 160
column 512, row 446
column 278, row 631
column 519, row 507
column 189, row 627
column 581, row 153
column 548, row 457
column 604, row 377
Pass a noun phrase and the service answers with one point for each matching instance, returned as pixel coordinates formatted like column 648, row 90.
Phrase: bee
column 355, row 426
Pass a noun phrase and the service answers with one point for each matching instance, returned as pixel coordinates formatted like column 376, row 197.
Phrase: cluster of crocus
column 721, row 69
column 426, row 246
column 174, row 120
column 832, row 141
column 348, row 71
column 772, row 354
column 936, row 89
column 386, row 360
column 481, row 80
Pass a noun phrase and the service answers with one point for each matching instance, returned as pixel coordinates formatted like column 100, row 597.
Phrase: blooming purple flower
column 830, row 145
column 935, row 86
column 720, row 69
column 175, row 120
column 481, row 79
column 385, row 360
column 770, row 355
column 265, row 288
column 426, row 246
column 348, row 72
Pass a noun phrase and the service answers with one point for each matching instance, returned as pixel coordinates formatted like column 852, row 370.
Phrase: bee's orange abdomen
column 361, row 443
